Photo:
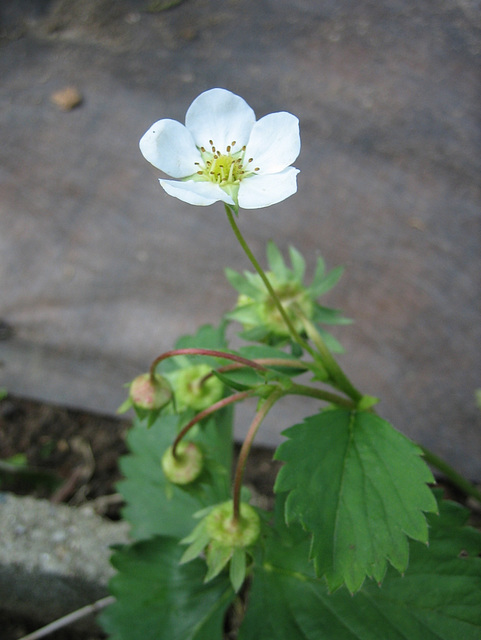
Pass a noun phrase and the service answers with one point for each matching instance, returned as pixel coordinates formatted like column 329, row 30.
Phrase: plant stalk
column 292, row 330
column 451, row 474
column 246, row 447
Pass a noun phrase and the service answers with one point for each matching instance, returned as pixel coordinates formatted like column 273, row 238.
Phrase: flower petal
column 274, row 143
column 194, row 192
column 170, row 147
column 263, row 190
column 222, row 117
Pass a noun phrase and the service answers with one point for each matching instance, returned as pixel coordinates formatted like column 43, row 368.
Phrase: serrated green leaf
column 437, row 599
column 154, row 505
column 158, row 599
column 320, row 286
column 298, row 263
column 276, row 261
column 359, row 487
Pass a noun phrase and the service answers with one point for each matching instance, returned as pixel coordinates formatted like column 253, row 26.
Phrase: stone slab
column 100, row 271
column 54, row 559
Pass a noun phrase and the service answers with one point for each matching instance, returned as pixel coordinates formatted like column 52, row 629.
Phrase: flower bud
column 222, row 528
column 150, row 392
column 186, row 466
column 194, row 391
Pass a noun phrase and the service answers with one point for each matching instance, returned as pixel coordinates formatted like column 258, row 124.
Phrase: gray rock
column 54, row 559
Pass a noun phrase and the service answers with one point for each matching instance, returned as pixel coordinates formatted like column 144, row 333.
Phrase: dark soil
column 72, row 457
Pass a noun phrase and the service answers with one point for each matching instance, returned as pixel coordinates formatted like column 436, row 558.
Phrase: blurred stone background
column 100, row 271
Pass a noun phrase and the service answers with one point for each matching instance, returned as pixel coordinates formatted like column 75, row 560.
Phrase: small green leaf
column 321, row 286
column 158, row 599
column 241, row 380
column 237, row 569
column 359, row 487
column 276, row 261
column 241, row 284
column 298, row 263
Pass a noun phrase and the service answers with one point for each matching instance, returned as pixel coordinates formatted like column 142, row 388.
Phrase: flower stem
column 453, row 476
column 246, row 447
column 204, row 352
column 320, row 394
column 295, row 335
column 225, row 402
column 337, row 375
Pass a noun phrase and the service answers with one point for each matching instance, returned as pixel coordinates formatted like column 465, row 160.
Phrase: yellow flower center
column 225, row 169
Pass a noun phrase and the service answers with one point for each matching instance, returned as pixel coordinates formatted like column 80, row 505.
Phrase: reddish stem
column 236, row 397
column 205, row 352
column 246, row 447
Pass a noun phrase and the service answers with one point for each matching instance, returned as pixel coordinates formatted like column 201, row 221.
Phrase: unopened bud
column 222, row 528
column 195, row 389
column 150, row 392
column 187, row 464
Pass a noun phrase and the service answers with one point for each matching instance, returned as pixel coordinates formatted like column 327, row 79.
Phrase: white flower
column 222, row 153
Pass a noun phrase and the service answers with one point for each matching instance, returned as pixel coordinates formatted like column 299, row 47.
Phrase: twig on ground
column 88, row 610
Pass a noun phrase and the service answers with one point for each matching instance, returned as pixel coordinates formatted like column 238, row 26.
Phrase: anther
column 233, row 144
column 211, row 142
column 228, row 148
column 251, row 160
column 257, row 169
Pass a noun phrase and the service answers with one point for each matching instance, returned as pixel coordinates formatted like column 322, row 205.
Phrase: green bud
column 186, row 466
column 221, row 527
column 193, row 391
column 151, row 393
column 296, row 302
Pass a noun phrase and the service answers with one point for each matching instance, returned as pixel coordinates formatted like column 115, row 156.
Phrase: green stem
column 292, row 330
column 246, row 447
column 320, row 394
column 337, row 375
column 456, row 478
